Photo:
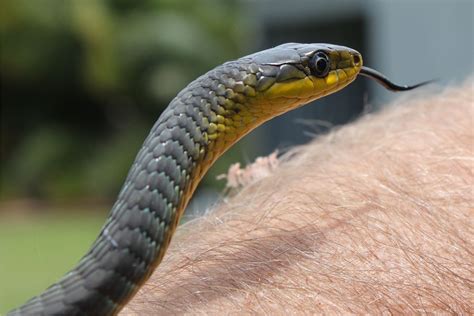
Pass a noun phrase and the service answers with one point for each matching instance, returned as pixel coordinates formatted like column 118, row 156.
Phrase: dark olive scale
column 264, row 83
column 289, row 72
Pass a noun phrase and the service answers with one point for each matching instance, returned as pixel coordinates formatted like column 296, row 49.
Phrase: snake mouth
column 384, row 81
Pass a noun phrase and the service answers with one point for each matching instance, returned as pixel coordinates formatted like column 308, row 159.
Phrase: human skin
column 375, row 217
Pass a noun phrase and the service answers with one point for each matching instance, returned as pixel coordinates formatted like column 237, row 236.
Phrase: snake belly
column 200, row 123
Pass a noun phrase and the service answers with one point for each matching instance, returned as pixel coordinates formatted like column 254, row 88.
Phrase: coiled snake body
column 203, row 121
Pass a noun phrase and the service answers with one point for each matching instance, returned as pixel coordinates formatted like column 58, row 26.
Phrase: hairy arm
column 374, row 217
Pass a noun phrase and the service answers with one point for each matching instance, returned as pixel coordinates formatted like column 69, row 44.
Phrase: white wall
column 413, row 41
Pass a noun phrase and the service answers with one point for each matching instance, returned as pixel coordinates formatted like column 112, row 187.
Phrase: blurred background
column 82, row 82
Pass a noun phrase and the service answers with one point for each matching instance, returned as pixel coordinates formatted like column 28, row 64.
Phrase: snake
column 204, row 120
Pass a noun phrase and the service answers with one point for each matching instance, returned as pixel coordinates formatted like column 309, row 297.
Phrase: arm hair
column 375, row 217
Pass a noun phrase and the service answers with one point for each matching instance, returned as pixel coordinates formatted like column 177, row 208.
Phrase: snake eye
column 320, row 64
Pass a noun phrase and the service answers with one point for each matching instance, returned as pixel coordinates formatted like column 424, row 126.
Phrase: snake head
column 294, row 74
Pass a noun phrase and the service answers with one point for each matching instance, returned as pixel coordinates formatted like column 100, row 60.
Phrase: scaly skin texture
column 202, row 122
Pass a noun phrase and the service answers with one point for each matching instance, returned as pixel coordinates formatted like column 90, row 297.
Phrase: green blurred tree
column 82, row 81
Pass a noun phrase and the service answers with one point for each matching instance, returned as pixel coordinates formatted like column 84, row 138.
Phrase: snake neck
column 201, row 123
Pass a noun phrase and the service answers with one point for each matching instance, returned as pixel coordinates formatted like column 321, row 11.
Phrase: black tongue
column 384, row 81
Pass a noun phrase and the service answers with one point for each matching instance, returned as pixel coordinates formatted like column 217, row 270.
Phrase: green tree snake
column 200, row 123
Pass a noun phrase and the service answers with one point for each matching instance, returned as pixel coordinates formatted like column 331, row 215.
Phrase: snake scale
column 201, row 122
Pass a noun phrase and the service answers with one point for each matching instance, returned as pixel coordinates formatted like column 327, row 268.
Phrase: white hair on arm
column 375, row 217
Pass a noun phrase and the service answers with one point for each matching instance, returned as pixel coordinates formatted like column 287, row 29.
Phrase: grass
column 36, row 251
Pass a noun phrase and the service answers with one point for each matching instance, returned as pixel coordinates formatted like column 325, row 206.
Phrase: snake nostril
column 356, row 60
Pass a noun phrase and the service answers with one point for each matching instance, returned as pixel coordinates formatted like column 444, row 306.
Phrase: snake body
column 201, row 122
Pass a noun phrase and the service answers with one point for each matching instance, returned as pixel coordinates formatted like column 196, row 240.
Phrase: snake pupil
column 320, row 64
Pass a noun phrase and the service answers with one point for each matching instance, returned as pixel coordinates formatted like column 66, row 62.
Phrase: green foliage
column 81, row 76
